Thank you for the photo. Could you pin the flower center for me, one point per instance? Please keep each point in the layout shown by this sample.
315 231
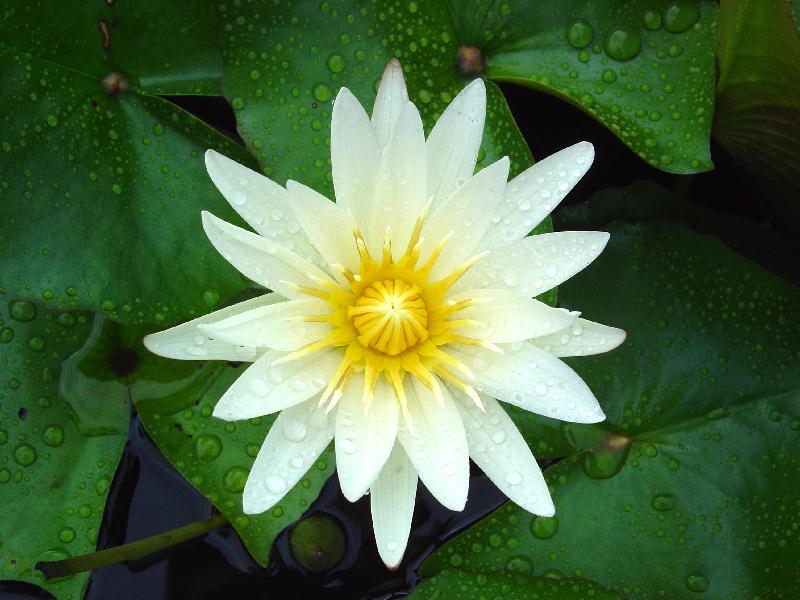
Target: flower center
390 316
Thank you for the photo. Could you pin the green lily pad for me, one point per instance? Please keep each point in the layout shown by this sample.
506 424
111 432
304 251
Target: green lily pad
515 584
58 449
757 119
216 456
645 70
102 183
687 490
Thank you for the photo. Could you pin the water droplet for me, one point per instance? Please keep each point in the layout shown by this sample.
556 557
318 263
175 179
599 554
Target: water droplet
275 485
513 477
22 311
234 479
681 15
85 511
544 527
207 446
651 20
336 63
211 297
498 437
52 120
294 430
696 582
66 535
664 502
36 343
321 92
25 454
622 43
579 33
6 335
520 564
102 485
53 435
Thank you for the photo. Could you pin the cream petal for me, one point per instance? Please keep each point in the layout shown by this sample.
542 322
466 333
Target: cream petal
265 388
582 338
390 100
277 326
296 439
506 317
535 264
187 342
260 259
438 447
453 144
400 192
392 499
498 448
464 215
533 194
261 202
528 377
355 155
328 225
364 439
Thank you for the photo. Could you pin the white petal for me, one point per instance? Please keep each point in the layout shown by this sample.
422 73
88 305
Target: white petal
392 499
328 225
261 202
264 389
533 194
582 338
538 263
455 140
294 442
187 342
508 317
277 326
466 213
392 97
438 448
364 440
400 192
528 377
260 259
355 155
498 448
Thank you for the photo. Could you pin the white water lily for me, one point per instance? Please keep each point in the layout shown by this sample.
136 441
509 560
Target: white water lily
402 313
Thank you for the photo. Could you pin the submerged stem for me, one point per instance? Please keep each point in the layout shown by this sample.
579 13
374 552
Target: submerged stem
131 551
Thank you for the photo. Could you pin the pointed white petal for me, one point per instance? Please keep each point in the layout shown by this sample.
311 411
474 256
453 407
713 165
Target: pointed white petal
392 501
392 97
328 225
400 193
364 439
466 213
582 338
533 194
355 154
187 342
261 202
295 441
455 140
260 259
277 326
507 317
528 377
498 448
264 389
538 263
438 448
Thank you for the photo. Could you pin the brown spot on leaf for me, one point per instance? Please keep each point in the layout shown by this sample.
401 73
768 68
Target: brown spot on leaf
106 33
470 61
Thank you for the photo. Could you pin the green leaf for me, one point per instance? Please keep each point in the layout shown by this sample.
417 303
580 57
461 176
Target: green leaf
688 487
645 70
215 456
59 447
453 584
101 187
757 118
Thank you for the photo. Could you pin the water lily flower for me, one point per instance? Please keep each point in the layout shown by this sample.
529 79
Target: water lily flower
402 313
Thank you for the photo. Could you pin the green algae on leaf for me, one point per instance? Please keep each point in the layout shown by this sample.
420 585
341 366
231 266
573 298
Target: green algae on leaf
58 451
689 483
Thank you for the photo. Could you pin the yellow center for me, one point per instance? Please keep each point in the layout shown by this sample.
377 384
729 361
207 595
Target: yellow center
390 316
392 320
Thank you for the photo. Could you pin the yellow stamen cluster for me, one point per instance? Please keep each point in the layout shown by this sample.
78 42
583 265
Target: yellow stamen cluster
391 320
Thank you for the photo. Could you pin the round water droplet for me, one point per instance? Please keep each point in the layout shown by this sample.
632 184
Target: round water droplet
498 437
336 63
207 446
53 435
234 479
681 15
651 20
696 582
321 92
211 297
102 485
85 511
66 535
294 430
544 527
36 343
25 454
622 43
22 311
259 387
664 502
6 335
513 477
579 33
275 485
520 564
346 445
